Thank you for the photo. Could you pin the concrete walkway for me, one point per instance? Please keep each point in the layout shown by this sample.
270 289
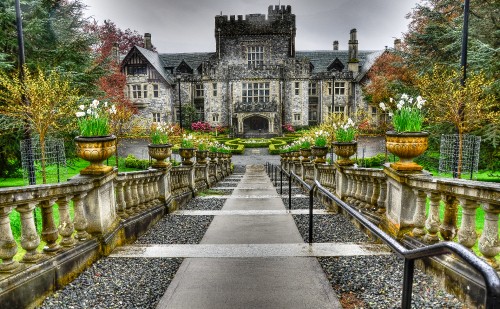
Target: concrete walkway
251 282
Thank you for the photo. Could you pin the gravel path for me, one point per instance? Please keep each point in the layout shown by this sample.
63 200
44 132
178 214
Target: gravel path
117 283
367 281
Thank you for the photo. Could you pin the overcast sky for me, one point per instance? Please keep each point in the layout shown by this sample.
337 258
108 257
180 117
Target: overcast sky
188 25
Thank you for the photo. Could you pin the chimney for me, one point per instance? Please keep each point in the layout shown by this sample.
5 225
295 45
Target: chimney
147 41
353 63
397 45
335 45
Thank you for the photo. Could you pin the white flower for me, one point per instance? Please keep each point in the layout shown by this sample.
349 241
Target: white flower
95 103
391 100
89 111
105 104
112 110
391 114
80 114
382 106
410 100
81 107
404 96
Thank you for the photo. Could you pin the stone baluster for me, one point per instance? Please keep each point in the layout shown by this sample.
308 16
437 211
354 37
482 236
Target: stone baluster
129 197
433 221
156 186
148 190
448 228
29 236
359 188
489 245
383 194
66 227
375 194
135 193
467 235
350 184
80 220
367 196
141 195
120 199
49 230
8 246
419 216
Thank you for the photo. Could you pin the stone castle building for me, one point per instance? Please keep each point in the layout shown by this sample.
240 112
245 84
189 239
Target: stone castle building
255 81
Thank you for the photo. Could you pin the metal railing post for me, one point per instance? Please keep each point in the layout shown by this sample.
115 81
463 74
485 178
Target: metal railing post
290 191
311 201
281 181
407 283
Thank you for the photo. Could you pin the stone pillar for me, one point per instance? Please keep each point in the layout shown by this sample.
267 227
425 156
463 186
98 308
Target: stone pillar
341 183
401 201
100 206
164 184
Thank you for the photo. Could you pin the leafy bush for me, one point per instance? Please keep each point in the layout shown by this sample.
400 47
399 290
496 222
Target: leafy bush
132 162
376 161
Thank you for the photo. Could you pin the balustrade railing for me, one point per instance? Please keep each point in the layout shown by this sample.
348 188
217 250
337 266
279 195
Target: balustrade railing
85 208
367 188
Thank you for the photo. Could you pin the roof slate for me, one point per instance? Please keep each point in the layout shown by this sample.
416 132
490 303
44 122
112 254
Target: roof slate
321 59
156 62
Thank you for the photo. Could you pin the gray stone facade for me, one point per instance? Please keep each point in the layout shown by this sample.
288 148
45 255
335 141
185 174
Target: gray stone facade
255 81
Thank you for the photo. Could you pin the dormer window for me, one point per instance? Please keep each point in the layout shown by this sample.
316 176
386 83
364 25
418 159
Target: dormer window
255 56
137 70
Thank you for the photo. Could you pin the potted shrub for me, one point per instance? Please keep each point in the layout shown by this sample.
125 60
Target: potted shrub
95 144
407 140
344 145
160 149
187 149
319 150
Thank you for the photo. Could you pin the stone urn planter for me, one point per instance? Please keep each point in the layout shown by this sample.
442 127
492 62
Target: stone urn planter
201 156
160 152
95 149
295 156
186 155
306 154
212 156
406 146
319 153
344 150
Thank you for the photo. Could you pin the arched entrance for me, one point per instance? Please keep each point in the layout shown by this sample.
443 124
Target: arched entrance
256 124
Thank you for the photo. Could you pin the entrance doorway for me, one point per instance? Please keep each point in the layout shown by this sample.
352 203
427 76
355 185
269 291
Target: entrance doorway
256 124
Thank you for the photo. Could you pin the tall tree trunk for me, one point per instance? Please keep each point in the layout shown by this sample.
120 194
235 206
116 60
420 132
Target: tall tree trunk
460 149
42 153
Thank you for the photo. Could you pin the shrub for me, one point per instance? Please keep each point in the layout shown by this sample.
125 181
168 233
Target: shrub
132 162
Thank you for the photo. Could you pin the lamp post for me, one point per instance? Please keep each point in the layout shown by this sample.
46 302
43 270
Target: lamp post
180 101
27 130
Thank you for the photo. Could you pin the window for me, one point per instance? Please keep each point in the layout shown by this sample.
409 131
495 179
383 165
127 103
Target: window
338 109
297 88
296 117
255 92
136 92
329 85
177 114
312 89
340 88
374 112
145 91
214 89
136 70
255 56
156 91
156 117
215 117
199 93
127 92
313 115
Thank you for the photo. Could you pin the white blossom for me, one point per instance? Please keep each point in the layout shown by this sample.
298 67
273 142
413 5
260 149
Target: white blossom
80 114
81 107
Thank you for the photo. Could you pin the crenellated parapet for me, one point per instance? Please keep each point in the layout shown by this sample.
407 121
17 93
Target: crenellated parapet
280 21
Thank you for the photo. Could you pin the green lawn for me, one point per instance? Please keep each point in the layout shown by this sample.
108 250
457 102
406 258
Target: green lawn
73 168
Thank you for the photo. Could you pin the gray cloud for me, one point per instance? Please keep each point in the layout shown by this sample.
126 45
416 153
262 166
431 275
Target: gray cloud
188 25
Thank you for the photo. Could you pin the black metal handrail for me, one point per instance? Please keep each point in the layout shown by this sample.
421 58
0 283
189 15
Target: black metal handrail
491 279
